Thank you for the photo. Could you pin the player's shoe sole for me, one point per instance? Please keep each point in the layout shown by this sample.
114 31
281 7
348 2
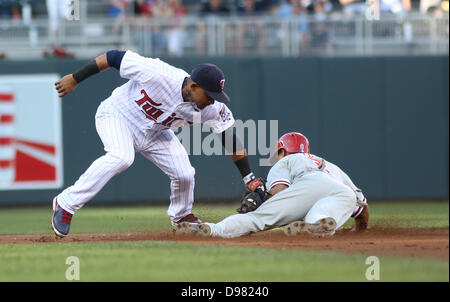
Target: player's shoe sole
325 227
203 230
180 227
199 229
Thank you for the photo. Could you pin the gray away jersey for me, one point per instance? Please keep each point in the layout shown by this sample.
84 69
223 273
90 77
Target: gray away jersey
289 170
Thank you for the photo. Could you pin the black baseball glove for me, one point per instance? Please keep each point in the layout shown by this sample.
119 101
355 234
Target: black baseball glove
250 202
254 196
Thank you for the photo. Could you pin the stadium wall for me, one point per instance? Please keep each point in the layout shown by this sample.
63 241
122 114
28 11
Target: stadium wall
383 120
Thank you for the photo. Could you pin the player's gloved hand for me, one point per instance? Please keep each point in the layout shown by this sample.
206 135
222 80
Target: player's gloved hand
256 185
250 202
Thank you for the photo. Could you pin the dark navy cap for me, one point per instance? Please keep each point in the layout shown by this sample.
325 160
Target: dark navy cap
211 79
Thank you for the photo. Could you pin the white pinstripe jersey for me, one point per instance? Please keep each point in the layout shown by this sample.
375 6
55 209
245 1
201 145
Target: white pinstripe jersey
152 97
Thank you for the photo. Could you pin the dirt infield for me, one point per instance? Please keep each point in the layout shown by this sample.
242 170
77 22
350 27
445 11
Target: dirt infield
423 243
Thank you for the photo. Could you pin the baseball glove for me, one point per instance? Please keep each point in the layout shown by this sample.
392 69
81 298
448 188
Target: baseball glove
250 202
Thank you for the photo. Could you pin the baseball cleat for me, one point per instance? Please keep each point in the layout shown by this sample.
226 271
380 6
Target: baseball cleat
200 229
181 226
295 227
60 220
192 228
323 228
191 218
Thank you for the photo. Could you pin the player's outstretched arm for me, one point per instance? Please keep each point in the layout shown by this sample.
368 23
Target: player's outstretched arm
68 83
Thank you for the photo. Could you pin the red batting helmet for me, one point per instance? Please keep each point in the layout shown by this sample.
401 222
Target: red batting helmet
293 142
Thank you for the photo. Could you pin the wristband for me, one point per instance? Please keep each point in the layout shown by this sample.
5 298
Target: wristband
88 70
248 178
244 166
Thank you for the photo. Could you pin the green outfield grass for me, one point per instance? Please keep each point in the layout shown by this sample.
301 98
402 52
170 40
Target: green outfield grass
170 261
151 218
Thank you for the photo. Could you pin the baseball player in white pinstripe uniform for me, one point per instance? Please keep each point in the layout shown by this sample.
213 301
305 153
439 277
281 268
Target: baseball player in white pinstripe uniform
137 118
305 192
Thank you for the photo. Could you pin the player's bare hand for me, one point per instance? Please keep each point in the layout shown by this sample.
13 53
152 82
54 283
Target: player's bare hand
362 221
65 85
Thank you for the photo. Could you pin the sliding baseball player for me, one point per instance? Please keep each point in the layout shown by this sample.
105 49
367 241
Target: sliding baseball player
304 192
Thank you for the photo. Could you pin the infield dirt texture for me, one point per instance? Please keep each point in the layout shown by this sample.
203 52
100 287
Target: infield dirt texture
411 240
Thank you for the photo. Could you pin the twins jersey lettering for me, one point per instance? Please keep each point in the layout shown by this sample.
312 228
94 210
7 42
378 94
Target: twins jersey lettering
152 99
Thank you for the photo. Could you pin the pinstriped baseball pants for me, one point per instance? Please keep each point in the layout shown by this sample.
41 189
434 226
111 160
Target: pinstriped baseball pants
121 142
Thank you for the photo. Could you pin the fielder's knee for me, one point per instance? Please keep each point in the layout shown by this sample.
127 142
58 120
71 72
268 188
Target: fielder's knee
121 161
187 176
